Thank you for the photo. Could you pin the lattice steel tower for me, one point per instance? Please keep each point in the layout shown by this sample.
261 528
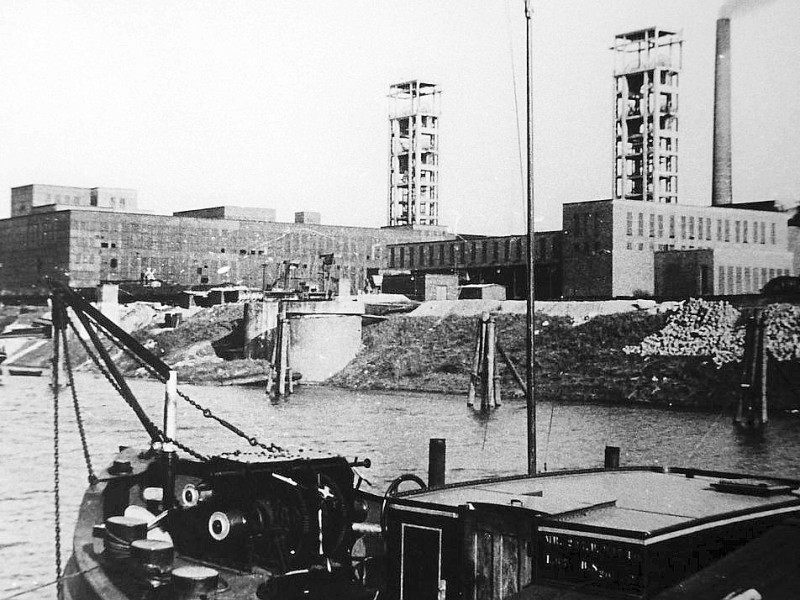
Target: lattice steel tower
647 64
414 153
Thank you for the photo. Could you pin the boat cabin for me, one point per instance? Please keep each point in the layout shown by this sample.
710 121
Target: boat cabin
629 532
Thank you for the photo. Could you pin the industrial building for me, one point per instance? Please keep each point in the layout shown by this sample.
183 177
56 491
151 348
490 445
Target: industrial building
86 245
641 241
623 248
612 248
414 154
34 198
483 259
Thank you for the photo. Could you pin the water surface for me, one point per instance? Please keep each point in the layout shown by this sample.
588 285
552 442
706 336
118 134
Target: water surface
391 429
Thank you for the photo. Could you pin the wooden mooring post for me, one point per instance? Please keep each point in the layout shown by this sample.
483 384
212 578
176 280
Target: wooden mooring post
279 376
485 376
752 410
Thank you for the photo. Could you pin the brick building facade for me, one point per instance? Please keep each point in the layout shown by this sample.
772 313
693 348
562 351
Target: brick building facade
481 259
610 246
84 247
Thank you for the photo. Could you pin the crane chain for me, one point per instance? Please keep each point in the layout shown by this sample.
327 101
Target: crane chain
115 385
252 440
78 417
206 412
56 470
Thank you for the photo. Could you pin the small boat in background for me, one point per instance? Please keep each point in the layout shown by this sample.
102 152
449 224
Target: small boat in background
20 371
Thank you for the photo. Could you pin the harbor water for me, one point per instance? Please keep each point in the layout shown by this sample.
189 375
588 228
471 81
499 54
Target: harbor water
392 429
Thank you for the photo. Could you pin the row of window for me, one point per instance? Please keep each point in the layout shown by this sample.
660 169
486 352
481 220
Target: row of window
700 228
462 253
745 280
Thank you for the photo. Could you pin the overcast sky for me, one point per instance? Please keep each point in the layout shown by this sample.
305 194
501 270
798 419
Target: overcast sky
282 104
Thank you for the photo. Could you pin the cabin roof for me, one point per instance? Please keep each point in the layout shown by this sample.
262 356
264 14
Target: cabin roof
642 501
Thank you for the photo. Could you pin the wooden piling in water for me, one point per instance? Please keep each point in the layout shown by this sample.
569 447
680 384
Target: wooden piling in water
513 368
282 352
752 408
476 364
485 376
488 400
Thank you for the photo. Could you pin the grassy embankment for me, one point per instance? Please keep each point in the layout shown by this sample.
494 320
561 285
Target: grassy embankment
573 364
429 354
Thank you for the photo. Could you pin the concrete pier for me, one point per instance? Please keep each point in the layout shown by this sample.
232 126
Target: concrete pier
325 336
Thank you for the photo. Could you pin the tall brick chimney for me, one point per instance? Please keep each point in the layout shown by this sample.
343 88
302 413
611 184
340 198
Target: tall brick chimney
722 181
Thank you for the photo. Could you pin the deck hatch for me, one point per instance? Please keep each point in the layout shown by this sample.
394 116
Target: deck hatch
750 487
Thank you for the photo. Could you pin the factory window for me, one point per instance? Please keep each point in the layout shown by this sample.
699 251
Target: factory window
691 228
402 256
252 252
661 226
737 228
496 250
763 233
640 227
747 279
763 275
730 280
744 231
222 250
261 253
630 223
683 227
672 226
772 274
104 244
772 233
738 280
652 220
721 282
629 246
708 228
113 263
727 230
641 246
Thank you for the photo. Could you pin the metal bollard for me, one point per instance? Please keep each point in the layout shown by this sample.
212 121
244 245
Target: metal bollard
436 462
612 457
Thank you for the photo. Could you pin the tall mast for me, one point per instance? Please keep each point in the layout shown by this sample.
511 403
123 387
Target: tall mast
531 404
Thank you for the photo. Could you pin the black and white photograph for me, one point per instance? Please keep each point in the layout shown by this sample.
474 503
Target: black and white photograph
419 300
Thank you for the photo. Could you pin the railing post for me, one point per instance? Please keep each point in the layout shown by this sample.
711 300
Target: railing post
171 405
169 452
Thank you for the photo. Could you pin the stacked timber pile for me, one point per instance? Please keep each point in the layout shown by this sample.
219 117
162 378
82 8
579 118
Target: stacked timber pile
715 330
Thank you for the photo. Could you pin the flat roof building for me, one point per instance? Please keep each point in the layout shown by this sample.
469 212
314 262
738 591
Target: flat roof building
38 197
86 246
